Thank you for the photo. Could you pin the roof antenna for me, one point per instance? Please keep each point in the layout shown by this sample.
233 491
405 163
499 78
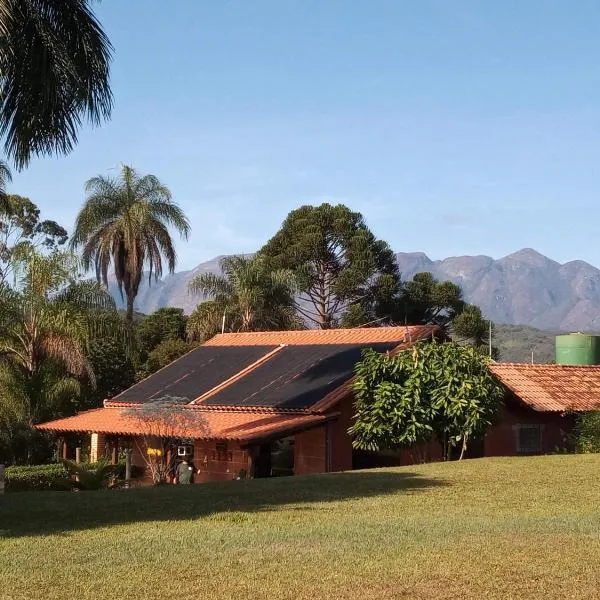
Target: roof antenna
490 337
532 356
223 323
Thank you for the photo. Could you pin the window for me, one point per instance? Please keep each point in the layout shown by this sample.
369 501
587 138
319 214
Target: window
529 438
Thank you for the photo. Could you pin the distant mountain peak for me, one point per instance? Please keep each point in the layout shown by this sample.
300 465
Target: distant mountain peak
523 288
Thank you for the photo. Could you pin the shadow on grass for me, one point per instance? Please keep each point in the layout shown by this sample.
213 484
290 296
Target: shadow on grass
41 513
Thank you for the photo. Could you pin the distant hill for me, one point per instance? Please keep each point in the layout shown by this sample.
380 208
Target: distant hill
516 343
524 288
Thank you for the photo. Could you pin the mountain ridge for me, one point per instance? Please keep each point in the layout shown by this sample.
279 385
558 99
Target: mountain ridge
522 288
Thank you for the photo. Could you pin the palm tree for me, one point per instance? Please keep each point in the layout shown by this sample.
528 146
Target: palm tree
247 297
54 60
45 326
125 222
5 177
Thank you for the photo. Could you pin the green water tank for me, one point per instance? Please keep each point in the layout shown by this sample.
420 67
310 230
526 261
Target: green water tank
577 349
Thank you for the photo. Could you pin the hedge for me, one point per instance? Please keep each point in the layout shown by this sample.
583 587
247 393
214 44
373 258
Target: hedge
44 477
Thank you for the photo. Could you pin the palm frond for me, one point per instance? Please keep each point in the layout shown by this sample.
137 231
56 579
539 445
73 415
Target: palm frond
54 60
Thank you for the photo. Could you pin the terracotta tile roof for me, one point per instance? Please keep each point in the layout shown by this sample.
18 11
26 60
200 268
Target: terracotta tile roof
238 425
305 337
552 387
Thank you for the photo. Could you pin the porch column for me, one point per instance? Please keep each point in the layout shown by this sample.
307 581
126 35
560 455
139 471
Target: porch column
114 455
97 447
64 449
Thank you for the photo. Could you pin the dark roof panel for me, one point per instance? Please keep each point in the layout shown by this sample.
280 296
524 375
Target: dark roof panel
296 376
195 373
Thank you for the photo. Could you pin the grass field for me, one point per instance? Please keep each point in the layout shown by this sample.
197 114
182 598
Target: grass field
490 528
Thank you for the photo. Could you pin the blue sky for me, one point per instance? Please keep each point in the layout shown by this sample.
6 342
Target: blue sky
464 127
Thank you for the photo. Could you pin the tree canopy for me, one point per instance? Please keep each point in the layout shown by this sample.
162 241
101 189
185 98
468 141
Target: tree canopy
249 296
54 60
336 260
433 390
125 222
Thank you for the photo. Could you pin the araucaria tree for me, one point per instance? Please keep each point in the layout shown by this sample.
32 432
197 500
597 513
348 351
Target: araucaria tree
249 296
54 60
125 222
337 262
441 391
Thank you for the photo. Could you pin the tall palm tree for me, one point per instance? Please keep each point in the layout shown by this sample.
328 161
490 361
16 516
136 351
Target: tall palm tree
126 222
54 61
45 326
247 297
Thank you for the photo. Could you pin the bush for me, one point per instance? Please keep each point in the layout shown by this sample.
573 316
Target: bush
587 432
51 477
36 477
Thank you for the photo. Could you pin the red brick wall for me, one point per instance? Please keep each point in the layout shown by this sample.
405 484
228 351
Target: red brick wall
501 439
215 464
339 440
310 451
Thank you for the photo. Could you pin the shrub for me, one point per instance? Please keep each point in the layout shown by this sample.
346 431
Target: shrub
53 476
36 477
587 432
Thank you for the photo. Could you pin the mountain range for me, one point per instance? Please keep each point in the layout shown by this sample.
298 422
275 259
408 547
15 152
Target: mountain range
523 288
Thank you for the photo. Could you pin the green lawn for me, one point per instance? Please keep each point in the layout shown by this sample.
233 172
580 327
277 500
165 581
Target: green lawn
490 528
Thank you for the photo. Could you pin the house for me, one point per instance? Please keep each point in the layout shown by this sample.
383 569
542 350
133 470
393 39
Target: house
255 403
538 414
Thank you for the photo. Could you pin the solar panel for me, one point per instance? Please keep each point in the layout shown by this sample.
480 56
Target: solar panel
195 373
295 377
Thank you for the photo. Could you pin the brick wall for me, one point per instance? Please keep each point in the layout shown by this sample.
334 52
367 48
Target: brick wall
339 439
310 451
218 461
501 439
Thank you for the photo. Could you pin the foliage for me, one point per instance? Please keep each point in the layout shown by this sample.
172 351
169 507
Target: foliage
517 343
250 296
45 330
163 324
336 260
441 390
125 222
113 370
165 353
54 60
587 432
37 477
90 477
21 228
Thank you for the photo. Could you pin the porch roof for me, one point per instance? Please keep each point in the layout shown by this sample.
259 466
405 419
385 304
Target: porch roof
190 422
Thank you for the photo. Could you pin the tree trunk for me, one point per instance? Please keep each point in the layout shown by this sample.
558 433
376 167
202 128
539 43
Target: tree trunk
129 315
464 448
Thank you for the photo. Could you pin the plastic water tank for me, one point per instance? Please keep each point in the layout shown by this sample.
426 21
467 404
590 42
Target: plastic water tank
577 349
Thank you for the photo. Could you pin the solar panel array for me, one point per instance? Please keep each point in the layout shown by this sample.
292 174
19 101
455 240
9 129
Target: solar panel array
195 373
296 376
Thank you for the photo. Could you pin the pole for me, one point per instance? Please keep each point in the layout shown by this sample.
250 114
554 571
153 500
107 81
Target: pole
223 324
490 338
127 467
1 479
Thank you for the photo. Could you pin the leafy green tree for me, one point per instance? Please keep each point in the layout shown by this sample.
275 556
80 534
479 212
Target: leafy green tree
125 222
441 390
113 370
54 60
163 324
249 296
163 354
45 329
22 228
336 260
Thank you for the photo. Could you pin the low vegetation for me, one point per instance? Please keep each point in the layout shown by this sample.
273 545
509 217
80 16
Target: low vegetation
489 528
